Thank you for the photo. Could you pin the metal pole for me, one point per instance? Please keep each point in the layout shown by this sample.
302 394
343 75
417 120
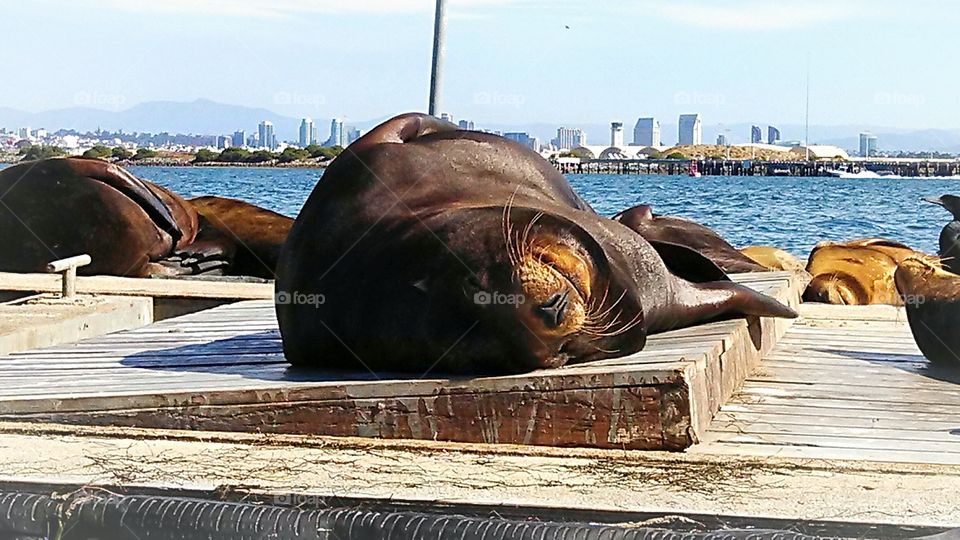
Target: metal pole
806 121
439 27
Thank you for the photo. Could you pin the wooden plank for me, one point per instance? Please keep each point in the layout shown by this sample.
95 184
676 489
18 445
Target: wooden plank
122 286
623 418
844 383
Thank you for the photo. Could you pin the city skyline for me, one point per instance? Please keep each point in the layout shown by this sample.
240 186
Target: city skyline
377 77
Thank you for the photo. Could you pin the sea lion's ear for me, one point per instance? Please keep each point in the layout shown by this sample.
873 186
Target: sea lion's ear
688 264
401 129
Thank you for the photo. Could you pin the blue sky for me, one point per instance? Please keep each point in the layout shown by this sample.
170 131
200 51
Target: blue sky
878 63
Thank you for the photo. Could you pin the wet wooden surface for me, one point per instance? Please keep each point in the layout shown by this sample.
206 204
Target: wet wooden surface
844 383
223 369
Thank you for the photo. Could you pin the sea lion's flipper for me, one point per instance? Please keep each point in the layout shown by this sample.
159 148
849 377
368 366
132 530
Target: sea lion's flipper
133 188
737 299
404 128
687 263
634 217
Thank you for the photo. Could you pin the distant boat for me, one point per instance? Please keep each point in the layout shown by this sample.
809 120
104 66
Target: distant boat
781 172
860 174
693 170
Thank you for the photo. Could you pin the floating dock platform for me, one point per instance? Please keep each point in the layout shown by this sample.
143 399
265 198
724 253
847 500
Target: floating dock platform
223 369
831 424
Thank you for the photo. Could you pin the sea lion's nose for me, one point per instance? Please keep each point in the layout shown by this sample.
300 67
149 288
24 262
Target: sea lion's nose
554 308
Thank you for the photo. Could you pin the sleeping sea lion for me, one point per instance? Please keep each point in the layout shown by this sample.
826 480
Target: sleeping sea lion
252 235
428 248
858 272
57 208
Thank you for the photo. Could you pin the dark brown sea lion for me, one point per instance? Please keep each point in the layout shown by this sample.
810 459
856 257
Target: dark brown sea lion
932 298
858 272
56 208
950 235
428 248
250 236
660 230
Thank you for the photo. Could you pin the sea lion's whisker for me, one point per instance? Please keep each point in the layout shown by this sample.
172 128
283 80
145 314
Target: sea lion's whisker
526 231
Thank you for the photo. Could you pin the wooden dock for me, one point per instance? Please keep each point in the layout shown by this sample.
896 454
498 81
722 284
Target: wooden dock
45 320
844 383
223 369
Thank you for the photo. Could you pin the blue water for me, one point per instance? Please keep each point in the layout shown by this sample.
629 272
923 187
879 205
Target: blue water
791 213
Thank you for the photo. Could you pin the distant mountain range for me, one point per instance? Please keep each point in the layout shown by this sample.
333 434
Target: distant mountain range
207 117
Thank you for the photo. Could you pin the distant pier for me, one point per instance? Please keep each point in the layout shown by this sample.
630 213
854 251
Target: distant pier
731 167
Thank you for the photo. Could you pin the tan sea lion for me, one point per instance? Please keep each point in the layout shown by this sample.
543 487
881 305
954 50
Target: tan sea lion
858 272
774 259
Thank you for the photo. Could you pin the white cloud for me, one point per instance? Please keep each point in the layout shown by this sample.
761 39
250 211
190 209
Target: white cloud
752 14
282 8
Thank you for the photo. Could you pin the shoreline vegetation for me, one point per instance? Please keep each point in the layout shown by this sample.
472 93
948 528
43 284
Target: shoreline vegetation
711 160
313 156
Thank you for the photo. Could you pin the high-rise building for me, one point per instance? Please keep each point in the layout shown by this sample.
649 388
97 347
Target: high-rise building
721 140
223 142
616 134
466 124
647 132
524 138
756 135
868 145
24 133
267 139
238 139
568 138
353 134
773 135
338 137
690 129
446 116
306 132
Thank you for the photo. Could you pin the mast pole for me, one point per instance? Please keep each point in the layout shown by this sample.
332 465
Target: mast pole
439 29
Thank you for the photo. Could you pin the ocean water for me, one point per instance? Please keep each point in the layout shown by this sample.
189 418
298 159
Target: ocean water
791 213
787 212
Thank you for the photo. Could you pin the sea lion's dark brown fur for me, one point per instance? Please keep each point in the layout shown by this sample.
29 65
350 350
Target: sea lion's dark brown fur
932 298
950 234
427 248
255 234
56 208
